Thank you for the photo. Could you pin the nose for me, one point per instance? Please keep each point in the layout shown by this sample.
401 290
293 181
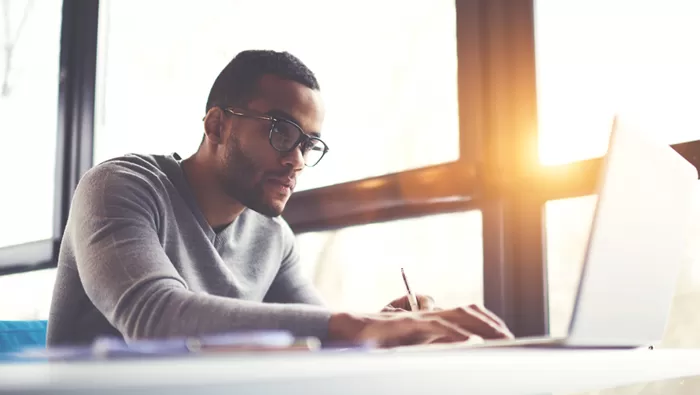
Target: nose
294 158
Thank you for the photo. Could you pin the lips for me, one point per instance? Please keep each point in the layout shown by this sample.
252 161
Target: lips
284 181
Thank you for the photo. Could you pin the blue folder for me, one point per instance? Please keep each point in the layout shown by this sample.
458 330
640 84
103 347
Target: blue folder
16 335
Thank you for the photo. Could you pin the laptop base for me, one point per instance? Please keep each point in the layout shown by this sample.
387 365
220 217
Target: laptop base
530 343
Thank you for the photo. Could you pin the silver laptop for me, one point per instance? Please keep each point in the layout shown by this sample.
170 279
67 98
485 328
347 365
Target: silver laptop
637 244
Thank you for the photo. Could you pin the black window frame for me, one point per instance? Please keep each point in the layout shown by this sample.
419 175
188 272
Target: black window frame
74 128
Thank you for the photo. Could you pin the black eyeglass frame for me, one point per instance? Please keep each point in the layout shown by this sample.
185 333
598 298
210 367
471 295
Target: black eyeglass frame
303 137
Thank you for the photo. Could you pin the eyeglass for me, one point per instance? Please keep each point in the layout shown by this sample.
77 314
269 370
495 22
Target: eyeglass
285 135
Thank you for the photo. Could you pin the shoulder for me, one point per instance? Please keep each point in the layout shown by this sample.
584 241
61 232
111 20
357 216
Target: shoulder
138 178
128 171
127 168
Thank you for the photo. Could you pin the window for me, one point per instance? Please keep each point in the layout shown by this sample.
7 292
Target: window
26 296
29 65
359 268
599 57
568 223
390 87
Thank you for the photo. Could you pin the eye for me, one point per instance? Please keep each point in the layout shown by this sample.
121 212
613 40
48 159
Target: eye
286 132
313 145
284 136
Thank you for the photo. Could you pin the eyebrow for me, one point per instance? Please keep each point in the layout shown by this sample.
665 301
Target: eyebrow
288 117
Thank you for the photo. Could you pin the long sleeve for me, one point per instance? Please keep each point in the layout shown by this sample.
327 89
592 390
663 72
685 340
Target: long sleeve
290 286
128 276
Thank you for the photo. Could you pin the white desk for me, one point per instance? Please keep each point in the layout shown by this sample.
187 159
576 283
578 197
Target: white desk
495 371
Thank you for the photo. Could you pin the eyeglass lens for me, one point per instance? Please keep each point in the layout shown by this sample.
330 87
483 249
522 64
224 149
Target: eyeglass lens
284 135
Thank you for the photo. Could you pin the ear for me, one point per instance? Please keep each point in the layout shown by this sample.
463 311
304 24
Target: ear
214 125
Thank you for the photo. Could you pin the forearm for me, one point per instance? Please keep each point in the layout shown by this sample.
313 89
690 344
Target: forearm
160 310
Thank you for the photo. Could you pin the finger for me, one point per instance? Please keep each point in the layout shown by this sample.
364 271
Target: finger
392 309
491 316
475 322
412 331
446 331
491 329
400 303
425 302
473 339
499 331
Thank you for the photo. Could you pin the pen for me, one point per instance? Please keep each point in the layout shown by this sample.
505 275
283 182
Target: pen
411 297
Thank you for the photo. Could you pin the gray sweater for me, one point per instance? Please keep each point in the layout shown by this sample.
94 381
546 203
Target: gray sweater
138 260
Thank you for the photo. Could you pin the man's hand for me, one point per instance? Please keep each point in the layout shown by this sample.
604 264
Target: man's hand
425 302
477 319
425 327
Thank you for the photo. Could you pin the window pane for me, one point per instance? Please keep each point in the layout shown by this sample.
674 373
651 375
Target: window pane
598 57
389 87
568 224
30 31
26 296
359 268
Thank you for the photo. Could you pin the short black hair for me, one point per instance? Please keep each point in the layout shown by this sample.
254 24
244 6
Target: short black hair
237 82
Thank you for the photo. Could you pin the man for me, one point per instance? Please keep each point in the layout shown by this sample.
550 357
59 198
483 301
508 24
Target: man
156 246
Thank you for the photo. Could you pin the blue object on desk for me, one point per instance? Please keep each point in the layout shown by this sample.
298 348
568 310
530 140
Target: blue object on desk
17 335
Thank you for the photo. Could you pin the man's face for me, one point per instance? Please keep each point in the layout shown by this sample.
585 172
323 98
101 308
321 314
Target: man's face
252 171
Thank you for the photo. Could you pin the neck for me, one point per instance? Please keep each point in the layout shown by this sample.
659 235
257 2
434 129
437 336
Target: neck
219 209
